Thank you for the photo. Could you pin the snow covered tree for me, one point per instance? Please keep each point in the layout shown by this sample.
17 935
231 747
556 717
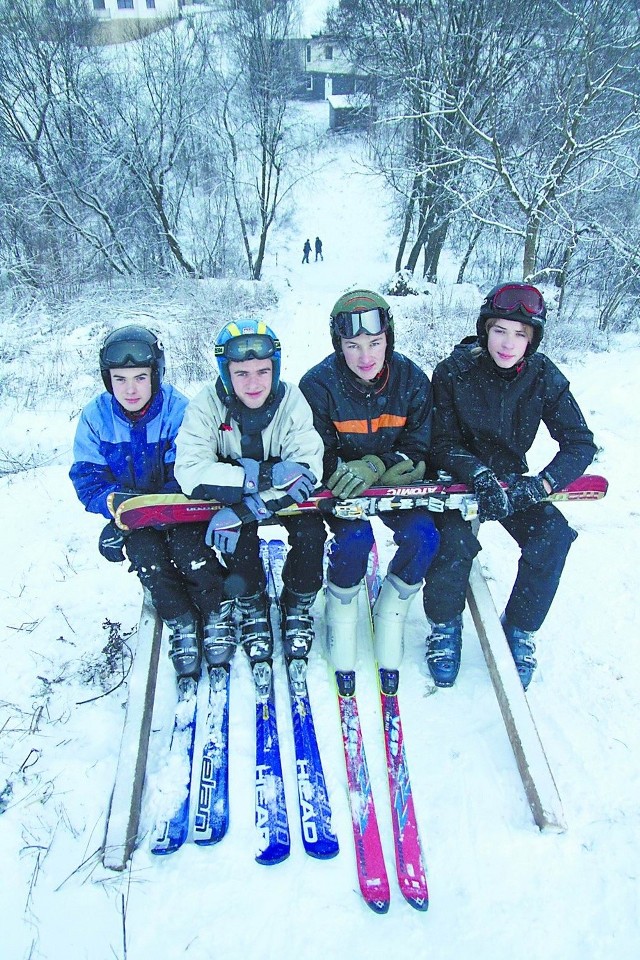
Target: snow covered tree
257 81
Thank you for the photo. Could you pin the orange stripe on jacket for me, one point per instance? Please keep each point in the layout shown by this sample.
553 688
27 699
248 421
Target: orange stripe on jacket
362 426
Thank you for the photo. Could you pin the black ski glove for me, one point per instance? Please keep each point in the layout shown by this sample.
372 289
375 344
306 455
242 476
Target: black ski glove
523 492
111 543
493 503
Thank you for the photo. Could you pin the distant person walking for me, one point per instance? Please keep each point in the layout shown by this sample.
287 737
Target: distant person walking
319 249
306 250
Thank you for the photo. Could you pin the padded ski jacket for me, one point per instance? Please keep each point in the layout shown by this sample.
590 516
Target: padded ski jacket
391 418
216 433
482 419
112 452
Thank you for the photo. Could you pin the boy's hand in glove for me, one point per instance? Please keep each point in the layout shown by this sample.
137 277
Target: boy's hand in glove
403 473
223 531
351 478
224 527
493 503
523 492
111 543
294 478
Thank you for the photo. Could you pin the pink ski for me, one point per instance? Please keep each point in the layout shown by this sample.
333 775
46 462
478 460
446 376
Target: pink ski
409 864
372 874
406 840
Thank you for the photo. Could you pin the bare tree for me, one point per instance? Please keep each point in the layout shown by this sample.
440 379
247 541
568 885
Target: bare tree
45 74
567 132
257 81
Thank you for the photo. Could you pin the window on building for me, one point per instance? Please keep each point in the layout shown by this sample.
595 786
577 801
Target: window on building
99 5
308 53
310 83
125 4
328 53
151 4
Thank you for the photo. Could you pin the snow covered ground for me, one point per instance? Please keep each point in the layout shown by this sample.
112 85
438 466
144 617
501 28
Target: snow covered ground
499 888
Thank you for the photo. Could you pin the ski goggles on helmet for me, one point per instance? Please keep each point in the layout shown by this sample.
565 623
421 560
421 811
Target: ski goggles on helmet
512 296
128 353
349 325
249 346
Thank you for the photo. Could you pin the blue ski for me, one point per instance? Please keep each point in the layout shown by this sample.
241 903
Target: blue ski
272 824
212 811
318 837
172 827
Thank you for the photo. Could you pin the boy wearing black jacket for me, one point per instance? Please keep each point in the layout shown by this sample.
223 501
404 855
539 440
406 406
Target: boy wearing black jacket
491 395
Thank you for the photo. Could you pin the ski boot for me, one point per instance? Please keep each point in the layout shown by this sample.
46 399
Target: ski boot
184 651
255 627
297 622
219 640
389 616
342 637
444 648
522 650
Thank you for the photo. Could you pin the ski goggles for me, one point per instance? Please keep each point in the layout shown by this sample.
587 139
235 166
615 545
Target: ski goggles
128 353
249 346
511 297
369 321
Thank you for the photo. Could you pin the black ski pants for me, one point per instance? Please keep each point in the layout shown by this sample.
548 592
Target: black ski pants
544 538
180 571
302 571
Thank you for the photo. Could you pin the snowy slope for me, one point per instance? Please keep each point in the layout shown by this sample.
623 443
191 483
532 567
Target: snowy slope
499 888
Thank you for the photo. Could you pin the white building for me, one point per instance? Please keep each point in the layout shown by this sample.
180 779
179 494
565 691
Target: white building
135 9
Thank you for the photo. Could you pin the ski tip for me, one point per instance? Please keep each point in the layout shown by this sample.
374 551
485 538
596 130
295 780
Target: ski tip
418 903
323 851
378 906
160 850
274 855
210 839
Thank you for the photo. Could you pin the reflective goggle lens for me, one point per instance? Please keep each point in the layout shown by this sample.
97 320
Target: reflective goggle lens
511 297
250 346
128 353
370 321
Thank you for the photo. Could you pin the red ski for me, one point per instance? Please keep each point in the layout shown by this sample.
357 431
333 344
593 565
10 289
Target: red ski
168 509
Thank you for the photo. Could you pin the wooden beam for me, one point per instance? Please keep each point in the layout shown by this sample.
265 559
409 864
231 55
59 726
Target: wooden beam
539 785
124 810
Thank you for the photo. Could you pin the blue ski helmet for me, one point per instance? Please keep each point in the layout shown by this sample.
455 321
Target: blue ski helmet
248 339
132 346
514 301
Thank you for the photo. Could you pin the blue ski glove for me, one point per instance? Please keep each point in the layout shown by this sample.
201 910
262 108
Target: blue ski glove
224 527
493 503
523 492
111 543
251 475
403 473
223 531
350 479
294 478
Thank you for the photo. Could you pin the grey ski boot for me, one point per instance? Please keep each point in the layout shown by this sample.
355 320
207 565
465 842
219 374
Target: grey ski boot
184 650
219 638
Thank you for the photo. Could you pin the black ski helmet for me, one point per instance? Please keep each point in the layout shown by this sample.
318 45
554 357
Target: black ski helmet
362 301
514 301
132 346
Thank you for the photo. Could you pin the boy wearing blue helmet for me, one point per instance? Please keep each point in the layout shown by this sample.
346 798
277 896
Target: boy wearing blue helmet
248 441
491 395
125 442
